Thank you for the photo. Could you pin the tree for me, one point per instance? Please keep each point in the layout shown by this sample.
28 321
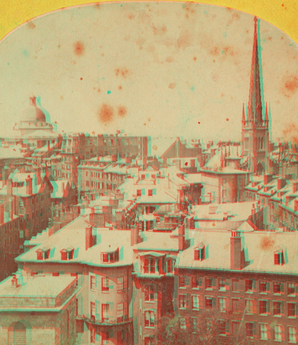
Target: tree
210 329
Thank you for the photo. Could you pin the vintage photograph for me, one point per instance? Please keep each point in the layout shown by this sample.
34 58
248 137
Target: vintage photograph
149 178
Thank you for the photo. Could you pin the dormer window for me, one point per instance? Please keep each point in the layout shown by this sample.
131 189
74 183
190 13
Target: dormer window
43 253
279 257
110 257
149 266
199 252
170 265
67 254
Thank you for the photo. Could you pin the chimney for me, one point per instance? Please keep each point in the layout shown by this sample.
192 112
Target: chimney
287 200
281 182
295 205
268 178
38 176
1 213
29 185
181 238
11 207
236 252
9 187
90 239
14 281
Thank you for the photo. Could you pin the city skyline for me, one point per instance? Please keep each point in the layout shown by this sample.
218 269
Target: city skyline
115 86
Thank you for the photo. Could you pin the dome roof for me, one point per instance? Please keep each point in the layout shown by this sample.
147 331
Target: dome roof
33 113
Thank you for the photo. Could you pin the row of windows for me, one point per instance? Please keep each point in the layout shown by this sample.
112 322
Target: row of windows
236 305
101 185
153 266
103 311
107 284
224 284
266 331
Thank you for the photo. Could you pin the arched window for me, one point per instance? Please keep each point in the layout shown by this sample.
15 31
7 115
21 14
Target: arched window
17 334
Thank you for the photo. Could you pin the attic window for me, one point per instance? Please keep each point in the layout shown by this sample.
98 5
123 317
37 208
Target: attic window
110 257
67 254
199 252
43 254
279 257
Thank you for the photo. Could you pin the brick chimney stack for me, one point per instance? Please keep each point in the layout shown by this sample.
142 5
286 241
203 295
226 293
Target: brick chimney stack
236 252
268 178
1 213
90 240
281 182
29 185
181 237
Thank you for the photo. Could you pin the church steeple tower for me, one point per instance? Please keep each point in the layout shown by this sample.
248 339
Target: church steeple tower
255 134
255 113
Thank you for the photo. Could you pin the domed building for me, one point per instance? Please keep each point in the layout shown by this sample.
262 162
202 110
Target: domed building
34 119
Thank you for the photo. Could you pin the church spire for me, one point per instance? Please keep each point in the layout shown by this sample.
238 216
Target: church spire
255 97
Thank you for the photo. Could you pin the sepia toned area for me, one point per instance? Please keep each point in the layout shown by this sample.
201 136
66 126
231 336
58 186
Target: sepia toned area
148 178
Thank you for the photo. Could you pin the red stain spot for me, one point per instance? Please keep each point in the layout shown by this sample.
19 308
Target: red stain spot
97 6
159 31
186 164
194 59
122 72
98 90
290 133
149 119
130 16
169 59
281 38
290 85
185 40
214 51
172 86
122 111
79 48
199 123
227 119
31 26
270 38
267 243
81 78
120 87
106 113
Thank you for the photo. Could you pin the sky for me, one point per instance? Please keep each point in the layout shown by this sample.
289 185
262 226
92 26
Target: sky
159 69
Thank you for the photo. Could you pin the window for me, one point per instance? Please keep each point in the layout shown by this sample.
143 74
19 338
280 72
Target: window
264 287
149 192
264 331
277 287
279 257
105 312
197 282
149 293
210 283
292 289
121 312
139 192
120 284
235 285
249 306
92 282
236 305
149 266
170 265
105 284
182 301
92 310
182 323
277 308
199 252
149 318
183 281
92 335
222 284
292 334
292 309
194 323
110 257
264 307
67 254
195 302
249 328
235 327
149 341
277 332
250 285
210 302
222 304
